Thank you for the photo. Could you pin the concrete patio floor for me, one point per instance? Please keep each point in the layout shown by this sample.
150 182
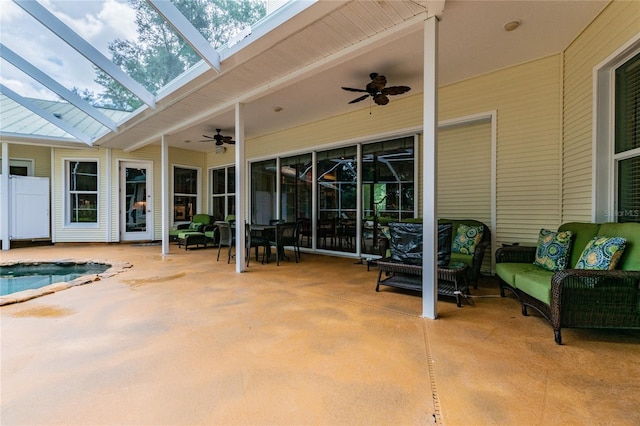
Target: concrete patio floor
184 340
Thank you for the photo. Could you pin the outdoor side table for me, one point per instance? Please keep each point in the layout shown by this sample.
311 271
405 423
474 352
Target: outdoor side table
452 281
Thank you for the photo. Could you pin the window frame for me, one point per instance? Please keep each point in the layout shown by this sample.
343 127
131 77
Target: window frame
196 208
68 211
227 194
605 160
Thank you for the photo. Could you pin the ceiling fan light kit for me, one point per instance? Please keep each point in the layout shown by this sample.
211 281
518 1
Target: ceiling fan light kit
377 90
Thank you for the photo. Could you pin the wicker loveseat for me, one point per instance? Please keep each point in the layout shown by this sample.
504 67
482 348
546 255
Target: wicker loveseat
578 298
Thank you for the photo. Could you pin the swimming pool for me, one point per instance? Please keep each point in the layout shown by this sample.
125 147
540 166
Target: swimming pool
29 276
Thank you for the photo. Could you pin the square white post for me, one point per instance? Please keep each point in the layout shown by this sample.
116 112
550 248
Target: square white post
429 176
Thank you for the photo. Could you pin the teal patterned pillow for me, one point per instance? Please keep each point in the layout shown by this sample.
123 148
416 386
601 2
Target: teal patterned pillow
602 253
195 225
553 250
467 238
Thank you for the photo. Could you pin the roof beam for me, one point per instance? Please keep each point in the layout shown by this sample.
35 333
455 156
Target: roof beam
56 87
187 31
435 8
46 18
31 106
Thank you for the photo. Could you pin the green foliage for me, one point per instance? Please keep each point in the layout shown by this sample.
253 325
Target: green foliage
159 55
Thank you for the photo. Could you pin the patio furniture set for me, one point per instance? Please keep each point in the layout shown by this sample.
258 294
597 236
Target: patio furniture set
461 248
204 230
584 275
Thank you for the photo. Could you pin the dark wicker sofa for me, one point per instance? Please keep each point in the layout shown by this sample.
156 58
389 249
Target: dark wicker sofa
577 298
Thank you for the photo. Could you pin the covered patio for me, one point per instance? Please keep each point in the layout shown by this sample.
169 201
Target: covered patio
183 339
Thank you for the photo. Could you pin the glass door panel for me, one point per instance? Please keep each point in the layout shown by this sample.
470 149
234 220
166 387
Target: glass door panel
337 199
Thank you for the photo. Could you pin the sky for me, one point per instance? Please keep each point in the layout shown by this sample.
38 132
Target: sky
97 21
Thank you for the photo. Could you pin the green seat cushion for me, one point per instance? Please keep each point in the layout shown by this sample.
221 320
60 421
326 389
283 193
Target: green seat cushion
202 219
508 271
552 252
182 235
462 258
630 260
602 253
536 283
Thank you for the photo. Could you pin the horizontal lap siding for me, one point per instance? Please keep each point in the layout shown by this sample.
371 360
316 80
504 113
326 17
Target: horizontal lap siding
40 155
618 23
464 175
464 172
401 113
527 100
69 233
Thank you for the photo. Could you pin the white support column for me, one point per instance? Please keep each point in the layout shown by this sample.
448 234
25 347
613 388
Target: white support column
109 198
4 202
241 189
429 163
164 184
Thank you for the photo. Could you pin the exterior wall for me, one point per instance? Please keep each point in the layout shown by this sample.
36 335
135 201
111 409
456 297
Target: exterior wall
40 155
99 233
527 99
617 24
62 233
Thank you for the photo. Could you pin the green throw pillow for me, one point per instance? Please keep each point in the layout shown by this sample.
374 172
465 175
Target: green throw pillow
553 249
467 238
602 253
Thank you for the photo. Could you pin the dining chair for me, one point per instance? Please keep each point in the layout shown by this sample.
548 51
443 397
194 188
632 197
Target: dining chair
227 238
286 235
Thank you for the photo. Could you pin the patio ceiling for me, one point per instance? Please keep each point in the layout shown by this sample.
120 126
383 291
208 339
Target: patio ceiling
301 65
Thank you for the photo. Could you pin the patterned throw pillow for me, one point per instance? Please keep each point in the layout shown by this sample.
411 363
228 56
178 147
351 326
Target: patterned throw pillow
553 250
467 238
195 225
602 253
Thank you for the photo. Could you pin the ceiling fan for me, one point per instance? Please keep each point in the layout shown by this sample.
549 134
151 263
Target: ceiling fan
377 90
218 138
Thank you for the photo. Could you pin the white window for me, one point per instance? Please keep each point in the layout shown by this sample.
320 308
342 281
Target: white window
185 193
617 136
82 192
19 167
223 192
626 153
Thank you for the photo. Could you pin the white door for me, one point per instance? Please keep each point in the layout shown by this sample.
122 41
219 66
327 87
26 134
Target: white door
136 201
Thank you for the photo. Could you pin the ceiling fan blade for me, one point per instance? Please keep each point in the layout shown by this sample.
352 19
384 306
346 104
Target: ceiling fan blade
227 139
381 99
395 90
361 98
351 89
378 82
208 138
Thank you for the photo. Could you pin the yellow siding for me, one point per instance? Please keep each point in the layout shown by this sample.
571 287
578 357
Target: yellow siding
71 234
40 155
527 101
401 113
618 23
464 181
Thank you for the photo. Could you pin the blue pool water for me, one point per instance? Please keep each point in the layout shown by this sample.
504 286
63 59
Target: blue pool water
21 277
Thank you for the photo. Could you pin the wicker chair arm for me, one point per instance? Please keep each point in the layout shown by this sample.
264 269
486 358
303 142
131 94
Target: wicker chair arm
516 254
183 226
595 293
